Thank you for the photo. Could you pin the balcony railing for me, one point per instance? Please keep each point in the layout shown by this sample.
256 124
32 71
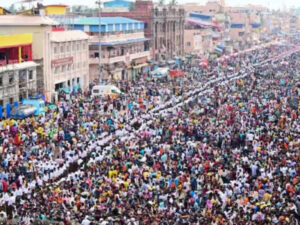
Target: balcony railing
12 61
94 60
115 59
122 58
140 55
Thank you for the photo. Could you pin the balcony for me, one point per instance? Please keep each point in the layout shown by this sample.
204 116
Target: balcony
123 58
117 37
94 60
114 59
12 61
140 55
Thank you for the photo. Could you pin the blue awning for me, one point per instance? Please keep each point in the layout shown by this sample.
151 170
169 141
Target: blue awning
255 25
221 47
237 25
112 43
200 16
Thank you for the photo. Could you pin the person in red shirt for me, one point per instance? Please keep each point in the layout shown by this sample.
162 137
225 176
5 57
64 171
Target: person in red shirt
4 185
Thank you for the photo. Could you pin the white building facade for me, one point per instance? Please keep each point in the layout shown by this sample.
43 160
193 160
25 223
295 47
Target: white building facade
68 62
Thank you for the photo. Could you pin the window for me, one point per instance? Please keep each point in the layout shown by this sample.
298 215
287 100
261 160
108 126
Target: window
188 44
11 101
73 47
241 34
69 83
22 78
1 103
55 49
62 48
11 78
78 80
30 76
78 47
56 69
63 68
1 81
68 48
96 91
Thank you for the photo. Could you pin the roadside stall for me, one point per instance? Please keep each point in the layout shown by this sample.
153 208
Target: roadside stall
160 72
176 74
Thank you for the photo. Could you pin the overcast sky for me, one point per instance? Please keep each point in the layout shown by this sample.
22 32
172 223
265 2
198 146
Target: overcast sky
275 4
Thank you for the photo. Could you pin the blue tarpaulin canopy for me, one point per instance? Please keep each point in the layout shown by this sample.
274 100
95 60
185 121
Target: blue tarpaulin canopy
237 25
255 25
200 16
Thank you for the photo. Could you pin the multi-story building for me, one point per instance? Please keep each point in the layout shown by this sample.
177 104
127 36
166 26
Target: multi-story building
39 27
210 20
69 62
44 36
124 47
293 24
200 34
164 25
246 25
17 70
168 32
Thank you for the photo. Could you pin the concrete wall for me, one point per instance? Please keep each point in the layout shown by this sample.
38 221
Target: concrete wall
10 92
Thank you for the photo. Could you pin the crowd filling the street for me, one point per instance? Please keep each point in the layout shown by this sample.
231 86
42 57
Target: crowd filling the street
219 145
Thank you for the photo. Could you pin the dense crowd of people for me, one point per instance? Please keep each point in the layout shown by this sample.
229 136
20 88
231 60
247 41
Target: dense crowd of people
218 147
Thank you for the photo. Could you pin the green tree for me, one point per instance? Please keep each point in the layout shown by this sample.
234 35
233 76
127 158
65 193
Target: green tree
161 2
22 8
12 8
173 2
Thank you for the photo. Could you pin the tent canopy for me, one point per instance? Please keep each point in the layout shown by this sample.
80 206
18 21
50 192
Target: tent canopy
160 72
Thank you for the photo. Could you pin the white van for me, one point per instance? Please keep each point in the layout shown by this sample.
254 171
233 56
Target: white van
105 91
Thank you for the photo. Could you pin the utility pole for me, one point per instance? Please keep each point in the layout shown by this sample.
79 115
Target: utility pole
99 39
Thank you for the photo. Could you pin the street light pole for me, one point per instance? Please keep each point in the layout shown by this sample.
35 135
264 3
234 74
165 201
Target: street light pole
99 39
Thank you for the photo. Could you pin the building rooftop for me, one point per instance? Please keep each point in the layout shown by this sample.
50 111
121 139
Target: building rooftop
70 35
22 20
104 20
56 5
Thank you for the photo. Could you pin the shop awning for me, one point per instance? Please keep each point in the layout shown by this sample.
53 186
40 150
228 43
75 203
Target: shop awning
140 66
65 90
170 61
200 16
160 72
201 23
237 25
255 25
